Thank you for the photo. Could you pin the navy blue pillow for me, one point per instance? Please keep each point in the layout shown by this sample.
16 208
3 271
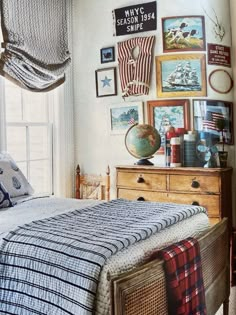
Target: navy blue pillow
5 200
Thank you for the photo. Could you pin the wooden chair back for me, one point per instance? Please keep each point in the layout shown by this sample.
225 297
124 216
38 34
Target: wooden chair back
90 186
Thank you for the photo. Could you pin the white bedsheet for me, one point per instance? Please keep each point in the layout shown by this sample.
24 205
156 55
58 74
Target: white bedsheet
32 209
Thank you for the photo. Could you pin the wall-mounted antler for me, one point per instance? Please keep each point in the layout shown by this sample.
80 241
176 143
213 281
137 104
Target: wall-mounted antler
218 28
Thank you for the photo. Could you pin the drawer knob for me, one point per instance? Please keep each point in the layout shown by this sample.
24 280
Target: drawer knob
140 199
195 203
140 179
195 184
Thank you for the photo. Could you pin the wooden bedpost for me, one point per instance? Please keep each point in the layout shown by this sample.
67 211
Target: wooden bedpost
107 187
85 180
77 183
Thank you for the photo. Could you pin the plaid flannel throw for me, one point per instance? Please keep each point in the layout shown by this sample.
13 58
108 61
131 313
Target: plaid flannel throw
186 295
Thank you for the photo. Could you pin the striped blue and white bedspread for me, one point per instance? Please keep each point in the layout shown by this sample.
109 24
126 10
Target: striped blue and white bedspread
52 266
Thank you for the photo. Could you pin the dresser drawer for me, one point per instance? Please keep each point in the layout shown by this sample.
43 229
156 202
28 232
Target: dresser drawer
133 194
211 203
141 181
193 183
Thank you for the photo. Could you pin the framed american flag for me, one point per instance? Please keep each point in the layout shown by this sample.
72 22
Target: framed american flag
207 112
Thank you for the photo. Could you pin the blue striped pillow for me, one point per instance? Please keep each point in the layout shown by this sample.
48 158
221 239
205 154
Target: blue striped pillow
5 200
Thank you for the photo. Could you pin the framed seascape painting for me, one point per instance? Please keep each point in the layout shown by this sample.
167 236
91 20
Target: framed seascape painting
107 54
106 82
181 75
165 113
122 116
205 115
183 33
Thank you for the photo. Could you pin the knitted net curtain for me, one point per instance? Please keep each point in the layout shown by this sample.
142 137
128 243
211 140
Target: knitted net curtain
35 42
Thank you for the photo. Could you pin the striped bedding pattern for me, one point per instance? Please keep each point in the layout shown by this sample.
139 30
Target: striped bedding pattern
52 266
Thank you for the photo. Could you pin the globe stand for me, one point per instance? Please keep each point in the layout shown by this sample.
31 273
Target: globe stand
143 162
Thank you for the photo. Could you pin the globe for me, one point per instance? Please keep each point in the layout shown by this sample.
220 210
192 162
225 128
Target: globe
142 141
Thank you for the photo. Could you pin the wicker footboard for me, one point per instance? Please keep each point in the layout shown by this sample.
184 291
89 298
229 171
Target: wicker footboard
143 290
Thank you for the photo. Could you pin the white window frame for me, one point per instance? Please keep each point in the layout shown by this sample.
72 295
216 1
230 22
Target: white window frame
62 114
28 158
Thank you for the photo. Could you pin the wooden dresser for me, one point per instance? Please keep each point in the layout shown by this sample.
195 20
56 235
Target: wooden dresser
208 187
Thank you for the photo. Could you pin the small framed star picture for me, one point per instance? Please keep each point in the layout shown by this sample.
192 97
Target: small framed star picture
106 84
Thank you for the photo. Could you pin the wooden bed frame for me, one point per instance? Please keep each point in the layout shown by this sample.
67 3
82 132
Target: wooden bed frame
90 186
142 291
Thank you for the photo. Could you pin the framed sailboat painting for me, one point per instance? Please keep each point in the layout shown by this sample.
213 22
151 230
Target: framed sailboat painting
181 75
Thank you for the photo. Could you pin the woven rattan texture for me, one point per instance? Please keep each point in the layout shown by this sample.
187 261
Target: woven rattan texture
156 293
211 271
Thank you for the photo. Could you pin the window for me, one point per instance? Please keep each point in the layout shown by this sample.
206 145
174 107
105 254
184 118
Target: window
29 134
37 130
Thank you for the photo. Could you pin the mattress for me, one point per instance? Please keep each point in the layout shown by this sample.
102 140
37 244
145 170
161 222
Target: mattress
39 207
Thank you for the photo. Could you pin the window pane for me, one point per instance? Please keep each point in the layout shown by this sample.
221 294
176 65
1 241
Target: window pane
23 167
13 102
35 107
38 139
40 176
16 142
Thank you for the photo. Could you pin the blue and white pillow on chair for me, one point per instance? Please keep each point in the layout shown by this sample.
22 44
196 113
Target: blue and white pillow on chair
5 200
12 178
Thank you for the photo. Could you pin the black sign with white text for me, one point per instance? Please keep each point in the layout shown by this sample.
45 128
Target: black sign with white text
135 19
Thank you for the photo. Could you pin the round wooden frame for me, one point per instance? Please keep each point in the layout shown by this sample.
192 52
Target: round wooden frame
231 82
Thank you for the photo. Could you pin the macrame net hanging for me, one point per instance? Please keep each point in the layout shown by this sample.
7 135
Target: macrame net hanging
35 43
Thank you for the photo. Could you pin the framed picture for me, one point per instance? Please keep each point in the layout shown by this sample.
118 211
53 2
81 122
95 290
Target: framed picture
165 113
181 75
106 82
205 115
182 33
107 54
122 116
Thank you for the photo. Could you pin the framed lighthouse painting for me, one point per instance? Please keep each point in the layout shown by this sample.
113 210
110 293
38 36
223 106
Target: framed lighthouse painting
181 75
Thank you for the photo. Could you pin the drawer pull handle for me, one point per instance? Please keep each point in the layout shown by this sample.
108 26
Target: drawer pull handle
195 203
140 199
140 179
195 184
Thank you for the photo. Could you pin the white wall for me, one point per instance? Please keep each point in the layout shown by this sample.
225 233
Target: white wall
92 30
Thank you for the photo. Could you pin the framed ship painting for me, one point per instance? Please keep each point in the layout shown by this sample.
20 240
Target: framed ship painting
168 113
181 75
183 33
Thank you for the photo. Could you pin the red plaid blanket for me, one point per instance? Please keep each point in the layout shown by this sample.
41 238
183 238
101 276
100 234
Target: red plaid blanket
186 295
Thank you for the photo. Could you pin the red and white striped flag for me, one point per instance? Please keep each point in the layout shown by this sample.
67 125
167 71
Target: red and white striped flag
210 120
131 121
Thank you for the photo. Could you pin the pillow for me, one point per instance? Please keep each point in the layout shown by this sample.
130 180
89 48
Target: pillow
5 200
12 178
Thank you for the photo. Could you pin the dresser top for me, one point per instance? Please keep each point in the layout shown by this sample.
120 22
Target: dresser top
175 169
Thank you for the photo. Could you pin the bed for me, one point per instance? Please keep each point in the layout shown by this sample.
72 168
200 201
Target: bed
128 284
